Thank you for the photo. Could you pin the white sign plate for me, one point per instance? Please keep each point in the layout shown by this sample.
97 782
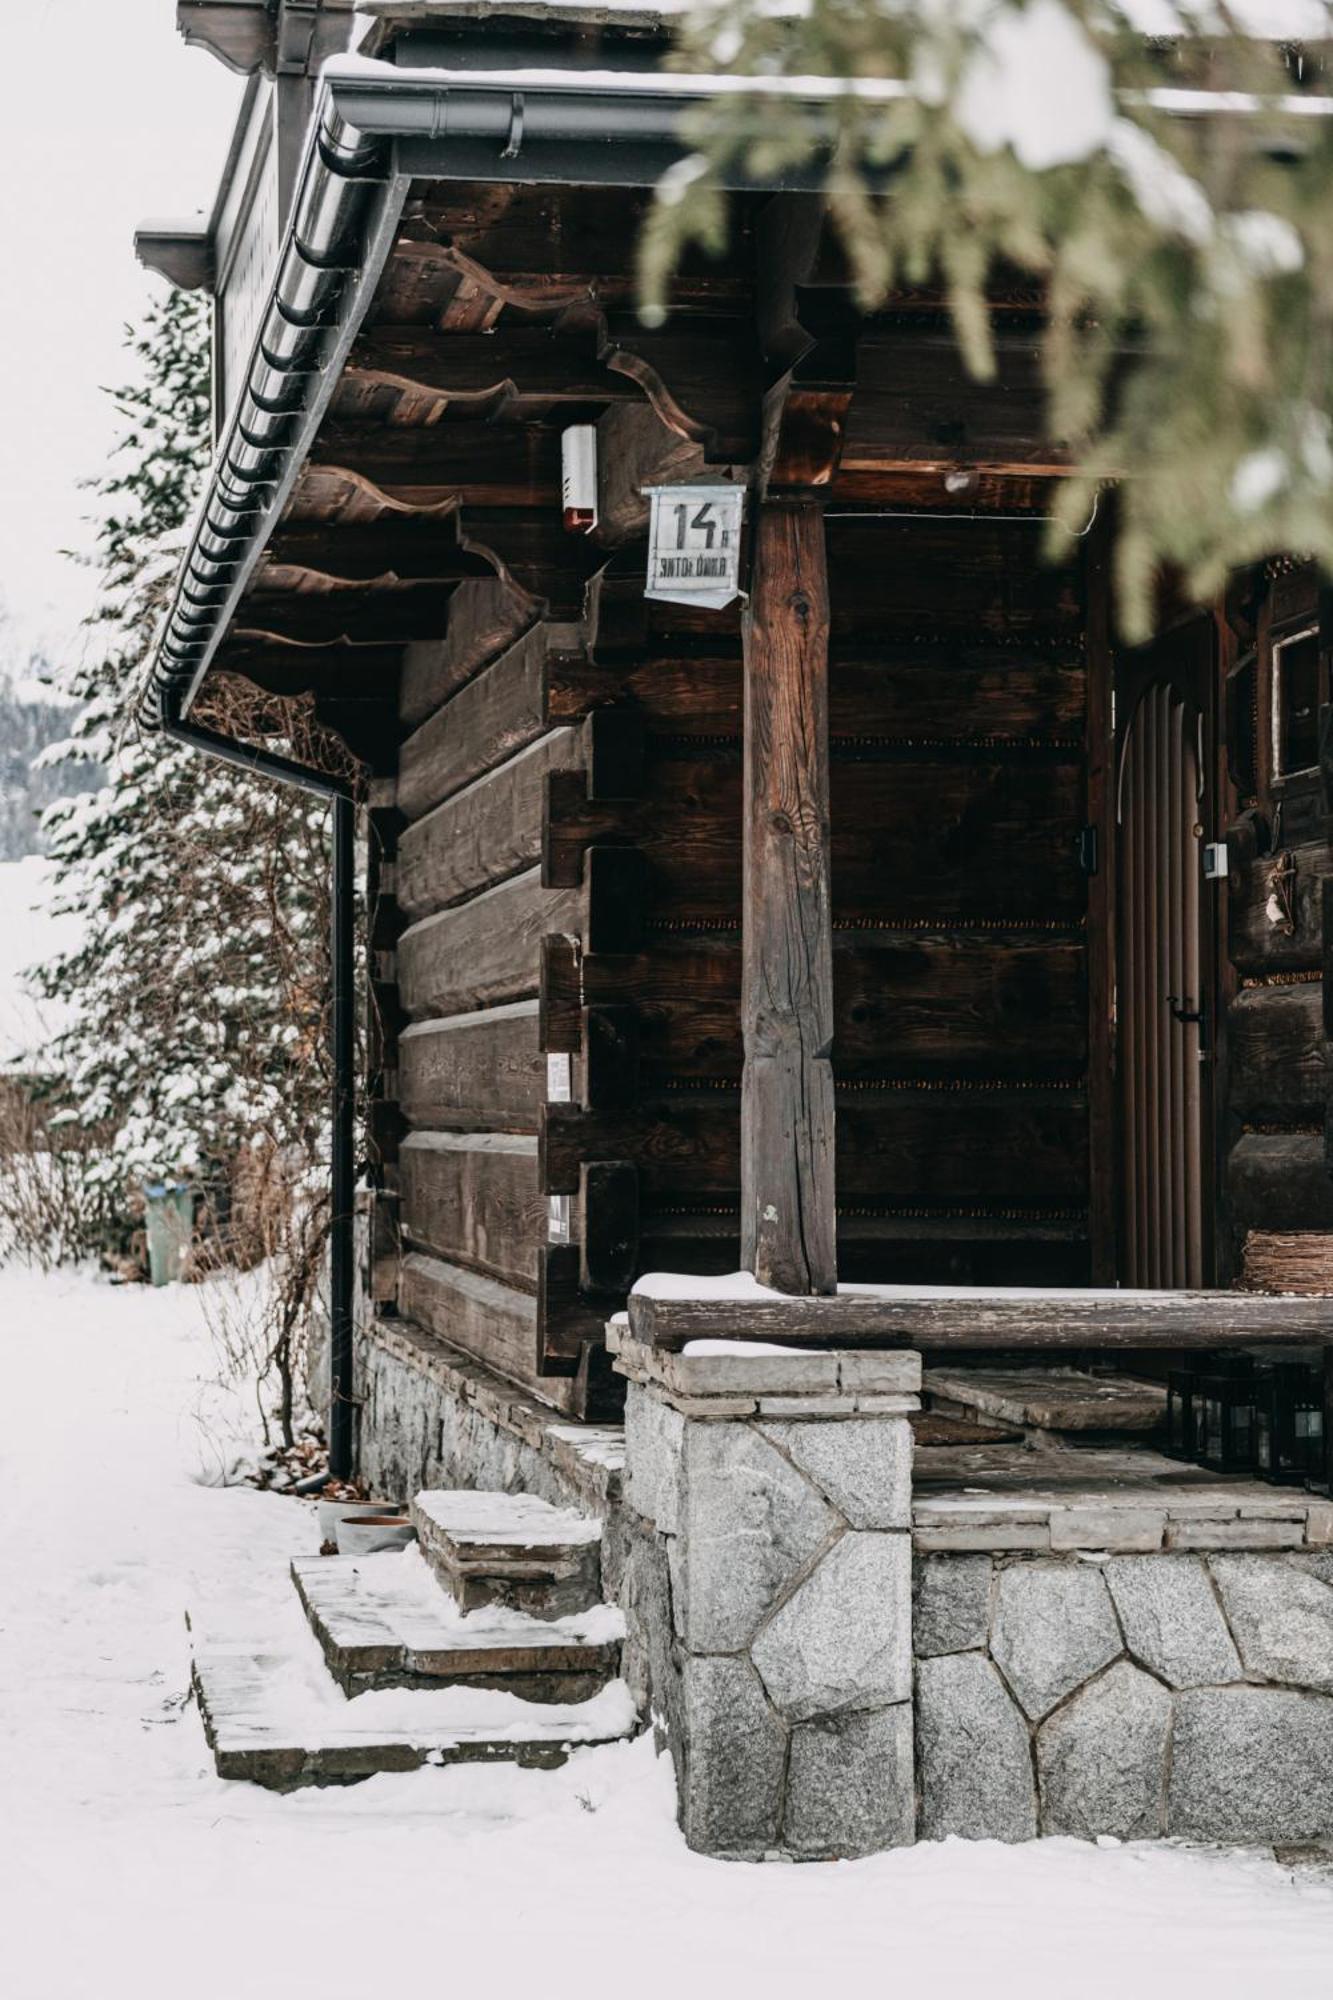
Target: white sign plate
694 544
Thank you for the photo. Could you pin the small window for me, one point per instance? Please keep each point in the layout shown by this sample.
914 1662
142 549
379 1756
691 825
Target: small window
1296 697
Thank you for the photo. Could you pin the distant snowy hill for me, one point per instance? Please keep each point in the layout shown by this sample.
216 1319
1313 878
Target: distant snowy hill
28 933
31 717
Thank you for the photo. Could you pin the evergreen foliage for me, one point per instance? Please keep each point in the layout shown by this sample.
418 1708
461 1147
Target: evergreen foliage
199 986
29 724
1051 138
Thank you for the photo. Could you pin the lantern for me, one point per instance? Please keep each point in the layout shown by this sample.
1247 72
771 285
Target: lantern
1180 1413
1224 1419
1308 1422
1289 1423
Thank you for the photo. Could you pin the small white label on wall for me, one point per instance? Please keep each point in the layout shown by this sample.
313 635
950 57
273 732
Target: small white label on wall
559 1080
694 544
558 1218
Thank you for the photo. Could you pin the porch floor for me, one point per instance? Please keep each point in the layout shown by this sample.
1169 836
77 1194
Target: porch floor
1125 1500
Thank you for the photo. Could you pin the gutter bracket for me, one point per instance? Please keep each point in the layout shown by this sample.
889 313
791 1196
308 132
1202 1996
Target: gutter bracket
514 143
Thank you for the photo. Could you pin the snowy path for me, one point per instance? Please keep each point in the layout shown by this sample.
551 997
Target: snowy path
128 1869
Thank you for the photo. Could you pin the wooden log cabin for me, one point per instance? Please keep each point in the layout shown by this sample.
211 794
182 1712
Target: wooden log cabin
895 925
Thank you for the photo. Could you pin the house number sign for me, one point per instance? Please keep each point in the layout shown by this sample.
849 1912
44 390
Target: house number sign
694 544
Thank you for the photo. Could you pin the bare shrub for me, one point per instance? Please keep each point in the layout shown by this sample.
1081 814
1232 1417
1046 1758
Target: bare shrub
43 1165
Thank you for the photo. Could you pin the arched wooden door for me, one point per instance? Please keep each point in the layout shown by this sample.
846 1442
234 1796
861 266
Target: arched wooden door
1164 986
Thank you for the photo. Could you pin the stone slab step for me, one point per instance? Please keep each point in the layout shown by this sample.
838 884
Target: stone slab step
272 1718
1049 1399
510 1549
383 1621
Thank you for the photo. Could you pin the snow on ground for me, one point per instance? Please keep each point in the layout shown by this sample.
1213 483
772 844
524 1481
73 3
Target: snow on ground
28 934
128 1869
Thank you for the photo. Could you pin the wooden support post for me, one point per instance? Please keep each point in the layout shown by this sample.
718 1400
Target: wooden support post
787 1189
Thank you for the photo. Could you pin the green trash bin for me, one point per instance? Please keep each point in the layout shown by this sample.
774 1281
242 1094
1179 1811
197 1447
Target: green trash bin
169 1218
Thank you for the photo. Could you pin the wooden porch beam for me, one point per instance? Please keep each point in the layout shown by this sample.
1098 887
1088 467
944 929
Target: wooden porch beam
937 1318
787 1109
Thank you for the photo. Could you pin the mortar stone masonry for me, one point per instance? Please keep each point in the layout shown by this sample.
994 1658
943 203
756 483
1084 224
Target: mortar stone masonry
1170 1694
768 1602
846 1645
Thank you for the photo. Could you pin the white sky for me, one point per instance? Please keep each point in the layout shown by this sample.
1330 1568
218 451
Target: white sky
108 118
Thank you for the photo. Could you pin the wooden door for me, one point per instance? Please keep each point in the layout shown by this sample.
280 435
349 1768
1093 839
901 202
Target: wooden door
1165 1008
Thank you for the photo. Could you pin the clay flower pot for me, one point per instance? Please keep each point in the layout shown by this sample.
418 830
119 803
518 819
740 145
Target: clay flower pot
368 1534
330 1512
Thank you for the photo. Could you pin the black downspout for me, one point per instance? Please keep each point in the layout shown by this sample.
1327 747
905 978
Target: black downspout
342 947
342 969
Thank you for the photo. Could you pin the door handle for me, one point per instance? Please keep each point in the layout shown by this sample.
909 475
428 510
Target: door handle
1191 1017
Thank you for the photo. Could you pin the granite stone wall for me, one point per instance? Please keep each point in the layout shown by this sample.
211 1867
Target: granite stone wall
1132 1695
767 1591
836 1667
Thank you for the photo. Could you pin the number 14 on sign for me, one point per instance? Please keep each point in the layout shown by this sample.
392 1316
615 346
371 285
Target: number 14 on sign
694 544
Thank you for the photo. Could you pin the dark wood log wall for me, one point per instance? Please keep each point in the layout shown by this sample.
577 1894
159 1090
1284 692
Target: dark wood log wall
569 874
556 870
478 1266
1279 1163
957 697
558 909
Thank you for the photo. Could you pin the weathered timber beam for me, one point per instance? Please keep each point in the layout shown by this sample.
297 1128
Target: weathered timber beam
530 547
485 465
486 615
987 837
916 404
473 1198
481 835
703 386
1278 1057
484 953
240 33
702 379
636 448
474 1072
898 1146
1275 909
529 363
1277 1180
991 1003
787 1116
402 545
501 710
359 613
893 1316
282 666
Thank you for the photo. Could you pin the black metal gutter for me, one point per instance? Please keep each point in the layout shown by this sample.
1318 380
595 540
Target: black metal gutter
342 968
371 134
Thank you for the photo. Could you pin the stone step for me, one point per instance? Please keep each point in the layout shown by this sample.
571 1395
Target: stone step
1048 1399
510 1549
276 1719
383 1621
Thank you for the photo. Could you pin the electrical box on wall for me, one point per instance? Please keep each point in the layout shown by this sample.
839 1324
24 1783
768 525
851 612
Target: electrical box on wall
578 477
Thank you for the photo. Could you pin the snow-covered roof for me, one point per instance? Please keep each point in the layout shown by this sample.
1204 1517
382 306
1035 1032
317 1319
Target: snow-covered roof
589 13
1276 20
